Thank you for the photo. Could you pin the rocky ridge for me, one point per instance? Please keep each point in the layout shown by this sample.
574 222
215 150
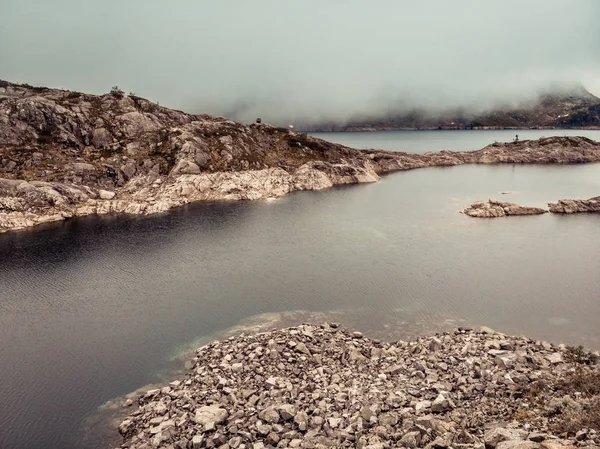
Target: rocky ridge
322 386
576 206
494 208
65 154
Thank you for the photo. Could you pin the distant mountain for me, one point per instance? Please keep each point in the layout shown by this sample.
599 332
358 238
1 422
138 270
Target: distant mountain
572 108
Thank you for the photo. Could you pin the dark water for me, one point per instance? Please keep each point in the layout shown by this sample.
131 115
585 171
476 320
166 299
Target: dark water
423 141
94 308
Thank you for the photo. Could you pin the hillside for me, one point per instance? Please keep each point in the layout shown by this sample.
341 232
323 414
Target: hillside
66 154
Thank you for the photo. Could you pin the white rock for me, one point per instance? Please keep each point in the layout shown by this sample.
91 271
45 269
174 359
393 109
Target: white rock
422 406
210 413
197 441
334 422
106 194
236 367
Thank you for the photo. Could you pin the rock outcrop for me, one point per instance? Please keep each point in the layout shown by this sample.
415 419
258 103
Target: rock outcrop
494 208
576 206
66 154
324 387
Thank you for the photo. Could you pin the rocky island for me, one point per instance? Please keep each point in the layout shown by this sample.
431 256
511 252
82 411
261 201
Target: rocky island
494 208
65 154
315 386
576 206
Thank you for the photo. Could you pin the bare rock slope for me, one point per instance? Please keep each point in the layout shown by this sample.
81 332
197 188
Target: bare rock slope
65 154
494 208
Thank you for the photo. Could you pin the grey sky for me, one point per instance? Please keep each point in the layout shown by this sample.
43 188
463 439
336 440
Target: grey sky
292 60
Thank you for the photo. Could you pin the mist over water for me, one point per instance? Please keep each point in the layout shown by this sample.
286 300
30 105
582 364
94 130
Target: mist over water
305 61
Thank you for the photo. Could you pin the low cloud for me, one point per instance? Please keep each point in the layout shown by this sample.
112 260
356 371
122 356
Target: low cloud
304 61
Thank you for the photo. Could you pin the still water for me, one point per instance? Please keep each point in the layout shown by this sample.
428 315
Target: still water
94 308
455 140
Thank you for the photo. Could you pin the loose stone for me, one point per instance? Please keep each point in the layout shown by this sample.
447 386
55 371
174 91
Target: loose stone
329 388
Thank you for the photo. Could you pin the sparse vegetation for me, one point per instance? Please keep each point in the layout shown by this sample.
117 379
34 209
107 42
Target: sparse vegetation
587 383
572 402
536 389
580 356
117 92
584 380
572 421
584 384
522 415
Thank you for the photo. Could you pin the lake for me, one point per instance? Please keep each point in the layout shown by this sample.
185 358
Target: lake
93 308
456 140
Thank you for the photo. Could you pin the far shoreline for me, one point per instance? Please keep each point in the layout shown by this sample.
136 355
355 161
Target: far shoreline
383 130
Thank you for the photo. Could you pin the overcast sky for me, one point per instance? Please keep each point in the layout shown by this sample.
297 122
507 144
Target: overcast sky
294 60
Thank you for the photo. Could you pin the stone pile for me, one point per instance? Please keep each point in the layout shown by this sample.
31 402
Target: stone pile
323 386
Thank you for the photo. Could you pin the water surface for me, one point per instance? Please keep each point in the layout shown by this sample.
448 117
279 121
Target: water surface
94 308
455 140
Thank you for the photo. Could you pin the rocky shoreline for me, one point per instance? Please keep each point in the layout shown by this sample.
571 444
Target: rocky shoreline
323 386
66 154
494 208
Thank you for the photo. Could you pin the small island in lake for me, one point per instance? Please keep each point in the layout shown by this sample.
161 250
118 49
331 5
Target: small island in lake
576 206
494 208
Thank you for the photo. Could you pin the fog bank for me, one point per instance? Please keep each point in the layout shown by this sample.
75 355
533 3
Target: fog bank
308 60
